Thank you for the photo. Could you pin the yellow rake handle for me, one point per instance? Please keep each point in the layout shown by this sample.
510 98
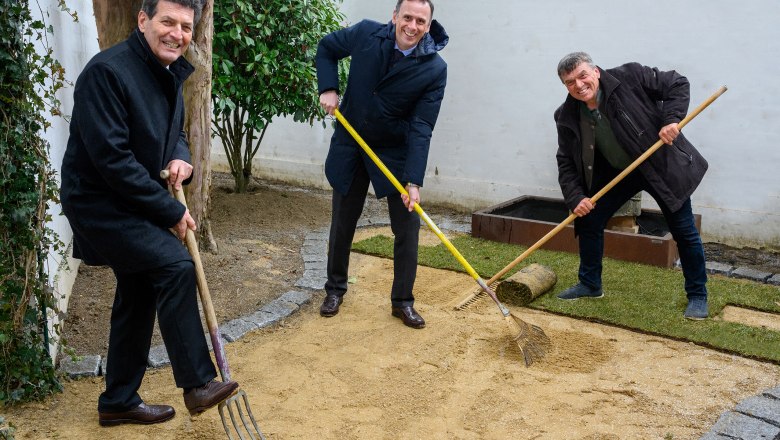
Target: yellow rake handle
402 190
607 187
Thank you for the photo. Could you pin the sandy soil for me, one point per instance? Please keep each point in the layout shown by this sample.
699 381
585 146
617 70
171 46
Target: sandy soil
751 317
363 375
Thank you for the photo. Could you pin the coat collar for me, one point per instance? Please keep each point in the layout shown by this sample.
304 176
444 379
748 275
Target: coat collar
607 84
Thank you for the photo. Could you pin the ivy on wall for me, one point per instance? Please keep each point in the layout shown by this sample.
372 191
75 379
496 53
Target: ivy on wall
29 80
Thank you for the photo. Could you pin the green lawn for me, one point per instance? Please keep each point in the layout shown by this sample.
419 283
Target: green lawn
638 297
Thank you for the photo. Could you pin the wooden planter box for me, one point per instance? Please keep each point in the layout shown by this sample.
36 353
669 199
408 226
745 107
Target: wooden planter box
526 219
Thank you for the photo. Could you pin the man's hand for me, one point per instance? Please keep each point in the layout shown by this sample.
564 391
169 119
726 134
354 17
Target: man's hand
179 171
186 222
584 207
669 133
329 101
412 198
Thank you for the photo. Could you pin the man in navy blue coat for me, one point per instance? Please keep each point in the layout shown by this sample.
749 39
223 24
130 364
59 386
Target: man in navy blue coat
127 125
394 91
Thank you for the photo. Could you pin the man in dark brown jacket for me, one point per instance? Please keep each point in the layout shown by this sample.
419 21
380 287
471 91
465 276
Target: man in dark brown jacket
609 118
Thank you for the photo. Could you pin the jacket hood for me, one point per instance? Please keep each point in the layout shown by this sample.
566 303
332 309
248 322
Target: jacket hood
433 41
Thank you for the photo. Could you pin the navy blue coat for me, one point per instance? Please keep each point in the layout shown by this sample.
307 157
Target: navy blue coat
127 125
394 112
638 101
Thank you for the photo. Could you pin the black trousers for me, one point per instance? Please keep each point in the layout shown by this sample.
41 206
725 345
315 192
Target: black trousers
168 291
406 229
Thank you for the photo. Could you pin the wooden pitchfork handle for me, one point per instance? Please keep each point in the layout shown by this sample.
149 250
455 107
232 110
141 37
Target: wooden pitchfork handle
607 187
203 291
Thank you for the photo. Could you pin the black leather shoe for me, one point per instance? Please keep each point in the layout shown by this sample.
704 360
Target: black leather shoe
143 414
330 306
409 316
202 398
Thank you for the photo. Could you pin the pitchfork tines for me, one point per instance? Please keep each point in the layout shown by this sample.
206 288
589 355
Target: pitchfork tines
239 420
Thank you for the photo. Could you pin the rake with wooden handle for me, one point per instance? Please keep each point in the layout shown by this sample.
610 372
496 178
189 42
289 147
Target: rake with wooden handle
531 340
233 404
473 295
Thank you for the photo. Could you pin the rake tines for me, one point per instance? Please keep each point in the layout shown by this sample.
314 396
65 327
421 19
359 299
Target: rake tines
238 417
531 340
470 299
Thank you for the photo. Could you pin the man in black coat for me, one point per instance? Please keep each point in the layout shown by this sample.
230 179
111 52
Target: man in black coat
394 92
127 125
609 118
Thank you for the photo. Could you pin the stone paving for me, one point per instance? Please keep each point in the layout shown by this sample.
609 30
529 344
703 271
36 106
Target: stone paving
756 417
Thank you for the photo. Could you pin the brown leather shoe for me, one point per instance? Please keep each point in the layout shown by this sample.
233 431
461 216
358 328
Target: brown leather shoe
143 414
330 306
409 316
202 398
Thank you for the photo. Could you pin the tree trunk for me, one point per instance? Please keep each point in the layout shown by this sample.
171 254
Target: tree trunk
197 100
116 19
242 182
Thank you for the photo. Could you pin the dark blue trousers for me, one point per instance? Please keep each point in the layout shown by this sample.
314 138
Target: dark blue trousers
590 230
406 229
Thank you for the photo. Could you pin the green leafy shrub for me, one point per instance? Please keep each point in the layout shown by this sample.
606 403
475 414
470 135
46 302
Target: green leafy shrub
263 67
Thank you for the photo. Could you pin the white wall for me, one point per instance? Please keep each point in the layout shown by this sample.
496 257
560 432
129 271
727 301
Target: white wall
496 140
74 43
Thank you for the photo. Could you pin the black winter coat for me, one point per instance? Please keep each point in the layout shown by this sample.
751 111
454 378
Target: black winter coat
127 125
638 101
394 112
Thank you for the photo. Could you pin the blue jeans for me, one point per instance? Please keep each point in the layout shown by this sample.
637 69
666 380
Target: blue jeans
590 229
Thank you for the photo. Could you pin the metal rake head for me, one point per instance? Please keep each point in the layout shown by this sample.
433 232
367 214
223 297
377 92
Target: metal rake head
469 299
532 340
242 420
472 297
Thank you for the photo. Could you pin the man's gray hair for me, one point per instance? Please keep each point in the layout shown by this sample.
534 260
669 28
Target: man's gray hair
571 61
398 5
150 7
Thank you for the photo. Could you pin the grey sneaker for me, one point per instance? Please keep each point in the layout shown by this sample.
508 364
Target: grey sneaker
580 290
697 309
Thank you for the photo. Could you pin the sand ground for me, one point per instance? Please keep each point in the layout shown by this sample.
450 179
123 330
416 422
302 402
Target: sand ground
363 375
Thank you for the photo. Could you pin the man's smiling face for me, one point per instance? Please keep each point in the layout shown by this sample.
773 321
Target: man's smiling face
412 21
583 83
169 32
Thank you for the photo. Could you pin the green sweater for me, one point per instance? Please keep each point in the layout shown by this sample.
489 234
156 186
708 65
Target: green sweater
606 143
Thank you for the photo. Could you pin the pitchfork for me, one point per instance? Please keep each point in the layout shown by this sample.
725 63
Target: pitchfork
232 405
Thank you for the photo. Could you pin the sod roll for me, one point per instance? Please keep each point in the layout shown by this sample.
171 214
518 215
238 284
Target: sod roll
526 285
